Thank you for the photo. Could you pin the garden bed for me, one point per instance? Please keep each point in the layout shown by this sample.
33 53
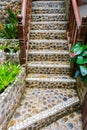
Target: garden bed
10 98
14 57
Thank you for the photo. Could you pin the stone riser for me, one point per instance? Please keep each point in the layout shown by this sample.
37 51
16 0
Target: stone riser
47 35
48 120
44 84
53 57
49 11
60 125
37 18
48 70
48 5
51 46
48 26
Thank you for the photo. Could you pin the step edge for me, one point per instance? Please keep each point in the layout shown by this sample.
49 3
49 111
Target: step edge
49 14
41 8
49 22
50 80
48 52
54 1
52 31
41 65
45 40
42 115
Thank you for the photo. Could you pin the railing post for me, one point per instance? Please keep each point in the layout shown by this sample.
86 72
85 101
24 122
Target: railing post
82 33
21 37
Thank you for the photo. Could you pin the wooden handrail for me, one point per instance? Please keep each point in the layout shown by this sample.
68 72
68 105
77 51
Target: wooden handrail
23 29
23 11
77 13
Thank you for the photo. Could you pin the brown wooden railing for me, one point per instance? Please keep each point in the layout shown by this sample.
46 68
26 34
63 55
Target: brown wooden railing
23 29
77 31
77 26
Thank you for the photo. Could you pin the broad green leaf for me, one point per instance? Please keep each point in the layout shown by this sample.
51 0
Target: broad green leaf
84 53
77 45
80 60
79 50
77 73
85 60
83 70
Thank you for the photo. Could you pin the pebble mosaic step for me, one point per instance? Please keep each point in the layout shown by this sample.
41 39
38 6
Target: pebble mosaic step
47 4
50 81
48 25
48 34
48 55
69 122
48 44
48 17
2 3
38 106
46 67
42 10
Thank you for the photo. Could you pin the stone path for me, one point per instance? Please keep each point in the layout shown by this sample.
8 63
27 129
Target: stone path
50 100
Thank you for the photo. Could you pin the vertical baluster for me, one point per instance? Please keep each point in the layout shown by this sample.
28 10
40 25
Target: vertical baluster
82 34
73 30
75 34
21 41
71 22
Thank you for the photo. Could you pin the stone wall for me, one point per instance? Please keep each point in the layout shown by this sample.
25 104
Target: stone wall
15 4
81 89
9 99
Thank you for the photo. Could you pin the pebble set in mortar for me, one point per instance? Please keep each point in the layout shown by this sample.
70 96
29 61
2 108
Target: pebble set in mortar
15 4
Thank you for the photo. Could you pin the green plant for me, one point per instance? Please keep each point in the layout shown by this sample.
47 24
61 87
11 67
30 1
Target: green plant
78 55
10 47
12 16
8 73
8 30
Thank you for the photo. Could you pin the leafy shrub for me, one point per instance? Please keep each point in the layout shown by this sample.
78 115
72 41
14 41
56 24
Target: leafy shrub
78 55
8 73
9 30
10 47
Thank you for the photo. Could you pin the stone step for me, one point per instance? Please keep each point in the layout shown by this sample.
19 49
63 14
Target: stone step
47 4
50 81
48 55
40 106
48 34
48 67
50 10
71 121
2 3
48 25
48 17
48 44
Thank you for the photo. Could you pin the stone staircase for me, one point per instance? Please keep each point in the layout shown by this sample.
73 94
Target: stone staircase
50 100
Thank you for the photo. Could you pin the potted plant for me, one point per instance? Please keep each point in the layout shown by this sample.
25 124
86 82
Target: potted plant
78 57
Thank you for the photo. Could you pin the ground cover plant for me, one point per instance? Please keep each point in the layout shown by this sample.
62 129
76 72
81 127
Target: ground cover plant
8 74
